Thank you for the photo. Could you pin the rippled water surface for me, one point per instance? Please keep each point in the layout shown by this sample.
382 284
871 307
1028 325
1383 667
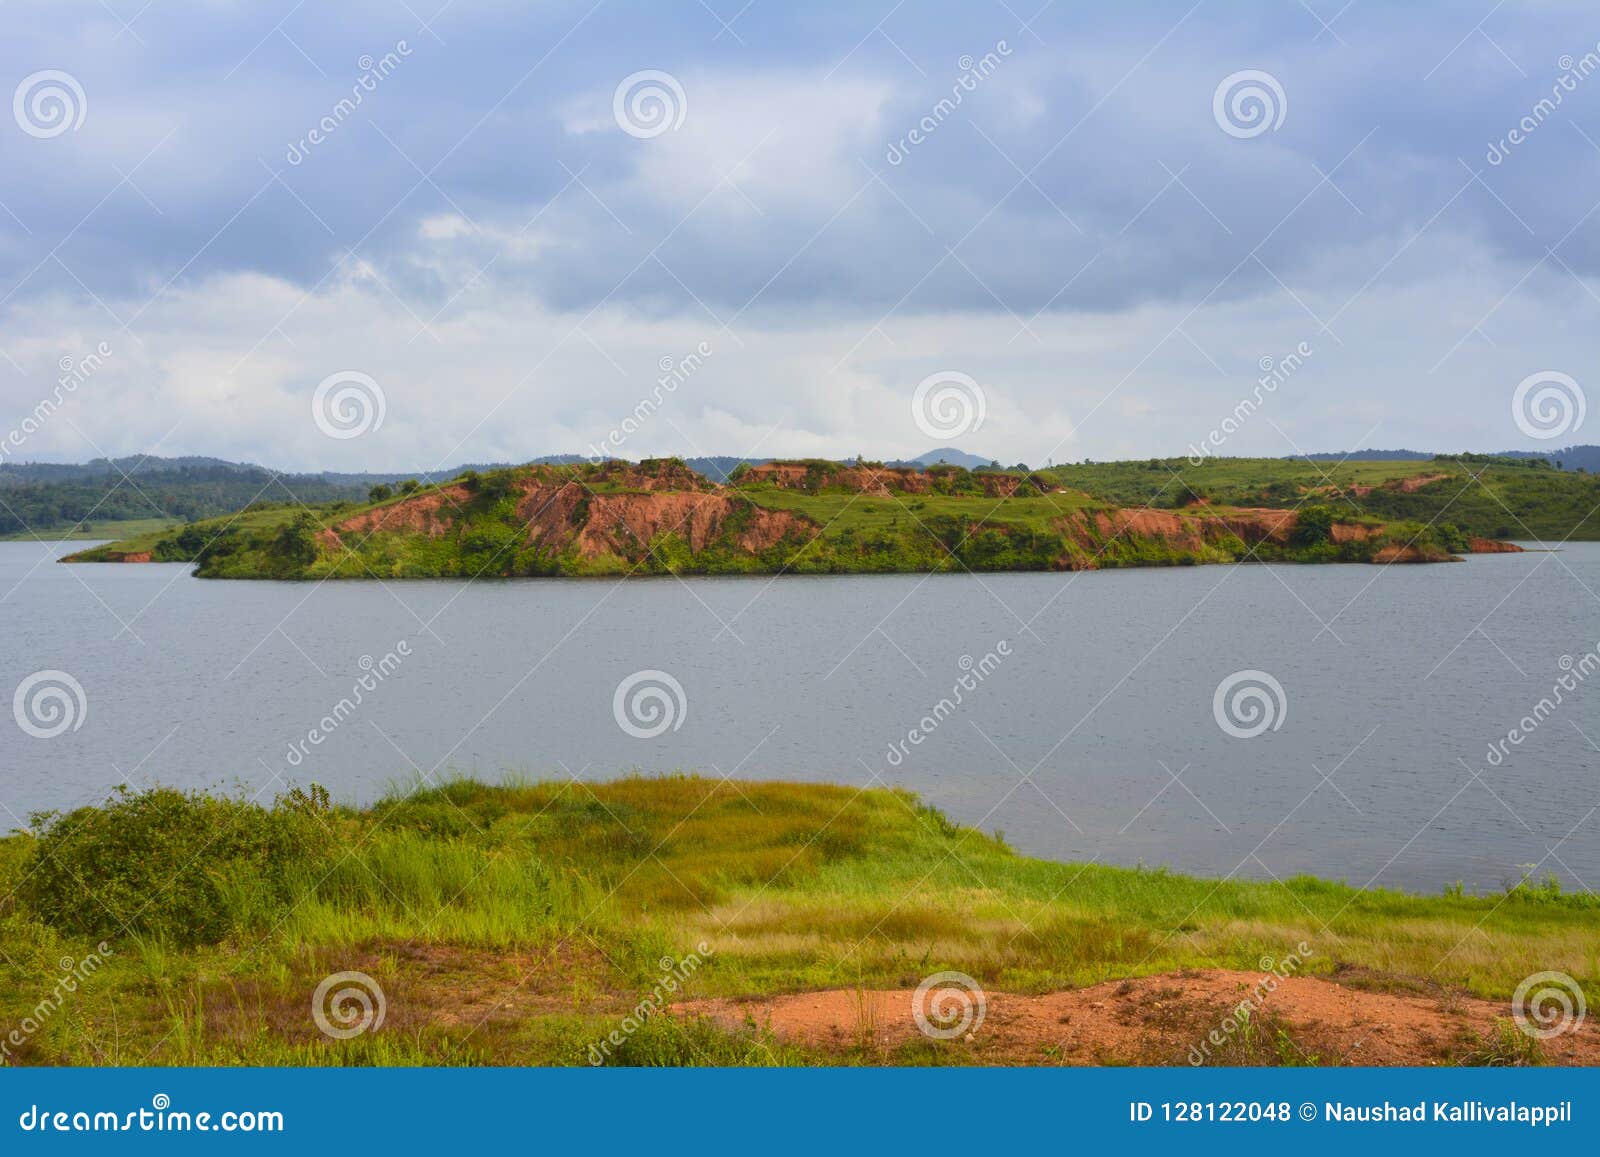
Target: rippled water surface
1094 737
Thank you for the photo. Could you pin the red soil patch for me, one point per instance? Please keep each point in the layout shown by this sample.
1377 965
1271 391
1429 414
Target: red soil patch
427 514
1492 546
619 523
1399 553
1254 525
1168 1019
1407 485
1342 532
561 513
1181 531
129 556
559 516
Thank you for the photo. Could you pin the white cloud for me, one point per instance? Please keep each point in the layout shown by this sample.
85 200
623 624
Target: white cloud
228 366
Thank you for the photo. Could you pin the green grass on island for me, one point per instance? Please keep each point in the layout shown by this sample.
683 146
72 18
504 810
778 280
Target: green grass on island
658 518
520 924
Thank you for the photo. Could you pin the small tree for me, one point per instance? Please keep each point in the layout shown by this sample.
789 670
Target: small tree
382 492
1313 524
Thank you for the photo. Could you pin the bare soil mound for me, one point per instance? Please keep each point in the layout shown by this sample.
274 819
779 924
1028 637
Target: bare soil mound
1177 1018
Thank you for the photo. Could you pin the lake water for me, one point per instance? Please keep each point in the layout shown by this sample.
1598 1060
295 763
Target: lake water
1088 732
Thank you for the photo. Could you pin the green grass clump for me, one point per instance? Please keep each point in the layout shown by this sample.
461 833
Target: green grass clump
176 866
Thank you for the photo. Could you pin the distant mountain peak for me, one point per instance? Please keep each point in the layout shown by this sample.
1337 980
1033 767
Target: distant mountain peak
950 456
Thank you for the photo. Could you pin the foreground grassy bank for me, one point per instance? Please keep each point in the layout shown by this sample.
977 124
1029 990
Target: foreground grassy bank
522 924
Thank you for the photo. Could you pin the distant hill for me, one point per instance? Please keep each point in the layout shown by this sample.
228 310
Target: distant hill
45 499
718 466
1568 458
947 455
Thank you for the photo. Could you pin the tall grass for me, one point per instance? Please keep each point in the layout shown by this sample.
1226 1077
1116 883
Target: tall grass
519 923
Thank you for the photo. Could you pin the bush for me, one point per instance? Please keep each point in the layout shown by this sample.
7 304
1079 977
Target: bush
1313 525
177 866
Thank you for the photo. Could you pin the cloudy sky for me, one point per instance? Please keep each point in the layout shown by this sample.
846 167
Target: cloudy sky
1081 214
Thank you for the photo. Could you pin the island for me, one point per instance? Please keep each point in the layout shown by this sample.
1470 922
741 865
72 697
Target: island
814 516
